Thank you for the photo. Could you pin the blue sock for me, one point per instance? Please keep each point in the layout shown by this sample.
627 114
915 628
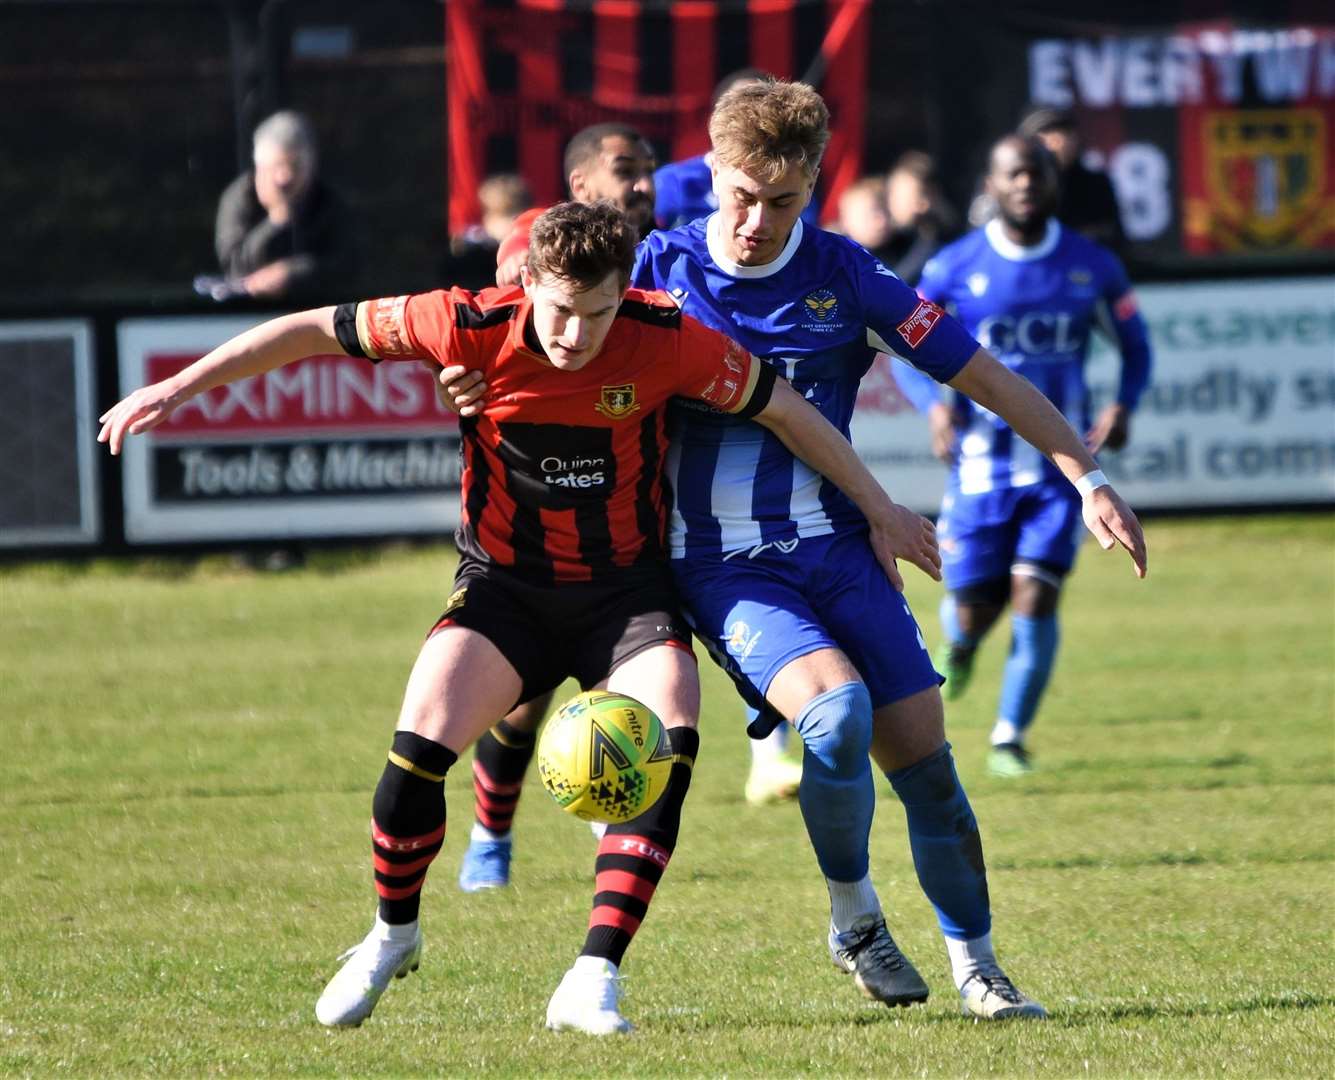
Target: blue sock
1033 648
950 624
947 850
837 794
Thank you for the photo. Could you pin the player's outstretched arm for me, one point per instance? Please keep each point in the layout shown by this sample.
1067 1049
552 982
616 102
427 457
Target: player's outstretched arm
262 348
896 531
1036 420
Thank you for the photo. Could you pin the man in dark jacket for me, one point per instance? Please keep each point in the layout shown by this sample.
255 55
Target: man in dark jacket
280 229
1086 203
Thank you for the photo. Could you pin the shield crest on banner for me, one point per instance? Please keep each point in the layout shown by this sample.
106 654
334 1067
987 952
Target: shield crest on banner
1265 175
618 401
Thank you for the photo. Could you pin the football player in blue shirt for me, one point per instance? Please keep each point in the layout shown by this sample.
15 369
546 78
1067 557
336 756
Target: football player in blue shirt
778 571
1031 291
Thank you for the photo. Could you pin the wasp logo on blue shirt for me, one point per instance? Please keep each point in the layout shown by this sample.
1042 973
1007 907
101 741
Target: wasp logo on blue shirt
822 306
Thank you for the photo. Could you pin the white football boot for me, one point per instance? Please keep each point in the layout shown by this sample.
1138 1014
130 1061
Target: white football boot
351 995
772 781
988 995
588 1000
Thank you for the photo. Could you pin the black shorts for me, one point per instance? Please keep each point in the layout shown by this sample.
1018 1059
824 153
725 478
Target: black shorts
580 630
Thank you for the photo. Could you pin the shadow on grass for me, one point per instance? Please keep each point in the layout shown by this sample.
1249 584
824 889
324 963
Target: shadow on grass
1157 858
1073 1016
1102 1012
1028 786
1226 761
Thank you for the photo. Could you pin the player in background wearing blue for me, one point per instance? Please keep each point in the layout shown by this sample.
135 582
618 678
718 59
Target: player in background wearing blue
1031 291
774 565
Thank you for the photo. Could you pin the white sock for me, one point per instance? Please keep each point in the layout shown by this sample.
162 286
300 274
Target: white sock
595 965
771 747
482 833
394 931
967 957
850 901
1003 731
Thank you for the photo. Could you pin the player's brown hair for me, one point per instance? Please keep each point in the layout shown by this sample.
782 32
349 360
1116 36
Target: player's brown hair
582 244
764 127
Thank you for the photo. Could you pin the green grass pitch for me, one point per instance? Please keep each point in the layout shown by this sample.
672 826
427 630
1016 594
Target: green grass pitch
189 752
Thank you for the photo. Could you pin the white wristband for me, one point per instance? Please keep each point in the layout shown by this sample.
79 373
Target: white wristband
1090 481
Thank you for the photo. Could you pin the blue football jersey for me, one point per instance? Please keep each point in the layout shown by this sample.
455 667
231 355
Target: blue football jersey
819 313
1034 308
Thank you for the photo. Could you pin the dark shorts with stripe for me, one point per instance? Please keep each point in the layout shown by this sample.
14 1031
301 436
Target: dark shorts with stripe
580 630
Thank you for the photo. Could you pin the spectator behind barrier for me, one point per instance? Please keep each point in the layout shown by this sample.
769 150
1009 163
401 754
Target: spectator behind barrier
921 220
503 197
280 229
1087 202
863 217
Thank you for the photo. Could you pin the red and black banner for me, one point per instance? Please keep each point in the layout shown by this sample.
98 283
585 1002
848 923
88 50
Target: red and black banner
522 76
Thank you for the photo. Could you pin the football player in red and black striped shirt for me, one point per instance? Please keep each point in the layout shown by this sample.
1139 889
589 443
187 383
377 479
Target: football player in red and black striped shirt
607 162
561 562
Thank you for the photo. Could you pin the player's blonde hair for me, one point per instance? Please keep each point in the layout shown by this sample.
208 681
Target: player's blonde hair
765 127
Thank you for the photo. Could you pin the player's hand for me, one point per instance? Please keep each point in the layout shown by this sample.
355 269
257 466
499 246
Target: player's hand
1111 521
902 534
508 272
945 437
459 389
142 411
1111 429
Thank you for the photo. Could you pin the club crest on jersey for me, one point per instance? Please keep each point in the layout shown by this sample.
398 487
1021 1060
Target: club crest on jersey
822 306
916 327
1079 276
618 401
977 283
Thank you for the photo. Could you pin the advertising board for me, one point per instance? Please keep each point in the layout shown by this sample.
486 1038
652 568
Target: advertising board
327 446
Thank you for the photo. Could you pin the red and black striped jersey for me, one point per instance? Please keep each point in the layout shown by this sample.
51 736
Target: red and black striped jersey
563 470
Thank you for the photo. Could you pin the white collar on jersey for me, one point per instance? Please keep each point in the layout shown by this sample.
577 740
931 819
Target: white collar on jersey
1009 249
730 268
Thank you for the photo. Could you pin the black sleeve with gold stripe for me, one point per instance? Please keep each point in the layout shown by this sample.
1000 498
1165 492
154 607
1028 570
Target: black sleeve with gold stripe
764 390
345 329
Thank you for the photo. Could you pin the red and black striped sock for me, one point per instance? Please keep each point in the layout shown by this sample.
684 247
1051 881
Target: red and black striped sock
408 822
499 763
633 856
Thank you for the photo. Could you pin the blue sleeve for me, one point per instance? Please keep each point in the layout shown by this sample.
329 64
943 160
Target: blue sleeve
1133 338
642 273
903 324
921 389
667 197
